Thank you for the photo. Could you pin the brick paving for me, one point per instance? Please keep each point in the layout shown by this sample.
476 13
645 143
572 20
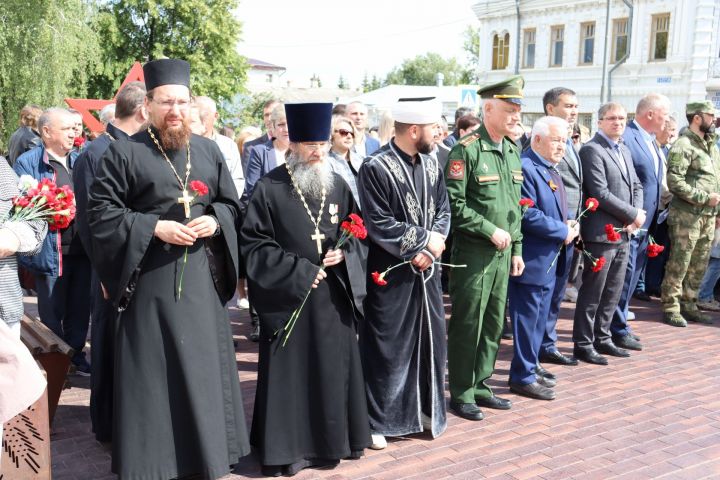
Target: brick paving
654 415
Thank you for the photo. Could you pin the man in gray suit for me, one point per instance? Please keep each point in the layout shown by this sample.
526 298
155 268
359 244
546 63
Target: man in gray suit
562 103
609 177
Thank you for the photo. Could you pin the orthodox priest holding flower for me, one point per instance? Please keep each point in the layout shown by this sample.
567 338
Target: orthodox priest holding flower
402 340
310 408
168 260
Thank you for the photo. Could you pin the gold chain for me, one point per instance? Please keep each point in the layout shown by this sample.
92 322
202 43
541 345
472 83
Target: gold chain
183 186
315 221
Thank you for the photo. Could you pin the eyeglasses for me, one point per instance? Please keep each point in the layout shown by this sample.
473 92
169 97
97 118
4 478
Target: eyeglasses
614 118
314 147
344 133
169 104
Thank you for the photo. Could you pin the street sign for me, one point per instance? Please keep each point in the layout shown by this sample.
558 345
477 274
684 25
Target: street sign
468 97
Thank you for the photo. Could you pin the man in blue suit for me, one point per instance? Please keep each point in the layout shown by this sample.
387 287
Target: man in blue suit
546 230
651 115
365 145
268 107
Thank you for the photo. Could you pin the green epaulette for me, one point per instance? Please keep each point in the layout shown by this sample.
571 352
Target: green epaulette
469 138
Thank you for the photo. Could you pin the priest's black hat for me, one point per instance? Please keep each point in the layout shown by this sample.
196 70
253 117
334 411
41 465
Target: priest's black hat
308 122
166 71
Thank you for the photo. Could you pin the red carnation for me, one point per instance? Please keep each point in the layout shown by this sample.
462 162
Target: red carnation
355 218
592 204
379 278
598 264
79 141
527 202
199 188
653 250
612 234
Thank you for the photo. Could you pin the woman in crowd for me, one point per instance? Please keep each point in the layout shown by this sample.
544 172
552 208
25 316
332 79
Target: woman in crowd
343 160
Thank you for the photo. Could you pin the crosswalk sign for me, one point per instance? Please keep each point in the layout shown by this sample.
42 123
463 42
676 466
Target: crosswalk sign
468 97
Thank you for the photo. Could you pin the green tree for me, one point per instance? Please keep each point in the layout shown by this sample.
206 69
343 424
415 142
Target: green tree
375 83
471 45
247 110
203 32
422 69
47 53
342 83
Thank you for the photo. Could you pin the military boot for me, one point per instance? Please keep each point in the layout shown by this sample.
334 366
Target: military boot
696 316
674 319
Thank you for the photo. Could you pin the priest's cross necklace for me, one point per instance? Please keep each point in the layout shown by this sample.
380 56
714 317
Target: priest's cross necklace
317 237
186 199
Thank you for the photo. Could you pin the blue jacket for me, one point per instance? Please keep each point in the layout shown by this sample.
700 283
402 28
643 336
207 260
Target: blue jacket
262 160
371 145
543 226
643 161
36 164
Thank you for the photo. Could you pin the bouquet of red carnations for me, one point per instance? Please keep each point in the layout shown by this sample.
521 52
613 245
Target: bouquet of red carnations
43 200
353 227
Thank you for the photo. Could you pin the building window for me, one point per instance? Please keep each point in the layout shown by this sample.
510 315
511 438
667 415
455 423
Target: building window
501 51
659 36
587 43
529 52
556 45
269 77
619 39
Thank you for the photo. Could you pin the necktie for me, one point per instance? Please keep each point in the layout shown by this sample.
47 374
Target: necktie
572 155
557 180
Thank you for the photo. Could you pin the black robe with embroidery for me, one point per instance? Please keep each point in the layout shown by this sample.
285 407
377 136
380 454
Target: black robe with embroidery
177 403
402 341
310 403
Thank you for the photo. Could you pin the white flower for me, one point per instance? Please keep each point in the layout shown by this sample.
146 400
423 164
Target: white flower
27 182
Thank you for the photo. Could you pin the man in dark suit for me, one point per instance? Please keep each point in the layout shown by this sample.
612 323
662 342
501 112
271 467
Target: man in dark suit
365 145
267 155
610 178
456 135
545 229
651 115
562 103
267 108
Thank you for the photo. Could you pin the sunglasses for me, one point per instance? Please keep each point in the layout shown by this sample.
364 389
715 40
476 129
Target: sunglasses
345 133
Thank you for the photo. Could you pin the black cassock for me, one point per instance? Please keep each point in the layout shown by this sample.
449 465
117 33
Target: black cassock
310 402
177 403
402 340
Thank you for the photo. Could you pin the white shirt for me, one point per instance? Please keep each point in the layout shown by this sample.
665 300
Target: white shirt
649 140
231 154
279 157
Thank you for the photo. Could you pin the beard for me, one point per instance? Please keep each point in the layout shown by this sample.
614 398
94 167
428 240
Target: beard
425 147
310 178
707 127
174 138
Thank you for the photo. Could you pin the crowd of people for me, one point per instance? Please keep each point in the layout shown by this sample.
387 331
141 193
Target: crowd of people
340 240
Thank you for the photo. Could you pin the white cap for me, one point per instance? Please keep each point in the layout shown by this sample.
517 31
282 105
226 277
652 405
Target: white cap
417 111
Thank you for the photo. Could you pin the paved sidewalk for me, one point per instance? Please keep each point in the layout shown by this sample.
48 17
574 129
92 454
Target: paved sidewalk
654 415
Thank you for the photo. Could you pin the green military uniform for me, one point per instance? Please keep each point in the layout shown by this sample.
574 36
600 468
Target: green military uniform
693 174
483 182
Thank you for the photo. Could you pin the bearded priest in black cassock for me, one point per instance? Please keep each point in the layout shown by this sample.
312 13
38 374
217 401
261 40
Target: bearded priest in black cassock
310 405
177 405
402 341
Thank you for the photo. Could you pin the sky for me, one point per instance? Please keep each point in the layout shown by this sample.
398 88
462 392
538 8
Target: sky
333 38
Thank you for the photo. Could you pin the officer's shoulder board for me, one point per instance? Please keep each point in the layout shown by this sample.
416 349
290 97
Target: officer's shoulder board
469 138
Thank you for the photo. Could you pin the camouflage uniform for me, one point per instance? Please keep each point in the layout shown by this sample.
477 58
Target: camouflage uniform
693 173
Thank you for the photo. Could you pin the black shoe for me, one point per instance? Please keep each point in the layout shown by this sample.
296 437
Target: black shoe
468 411
627 342
254 333
642 296
546 381
539 370
532 390
589 355
611 349
557 358
494 402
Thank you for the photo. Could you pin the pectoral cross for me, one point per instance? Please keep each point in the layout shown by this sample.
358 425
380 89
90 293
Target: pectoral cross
318 237
186 200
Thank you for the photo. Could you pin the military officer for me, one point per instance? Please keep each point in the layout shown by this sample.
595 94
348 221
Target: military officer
483 178
693 178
